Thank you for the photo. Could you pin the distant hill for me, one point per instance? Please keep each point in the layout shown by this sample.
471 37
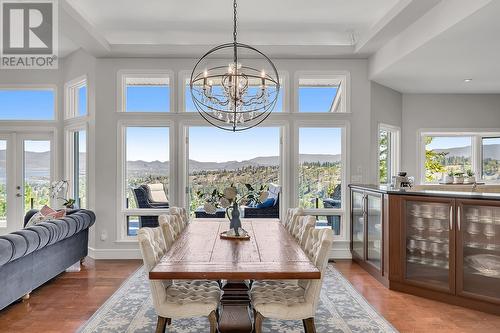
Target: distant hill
491 151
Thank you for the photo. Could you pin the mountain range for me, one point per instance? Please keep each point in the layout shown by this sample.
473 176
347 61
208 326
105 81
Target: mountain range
491 151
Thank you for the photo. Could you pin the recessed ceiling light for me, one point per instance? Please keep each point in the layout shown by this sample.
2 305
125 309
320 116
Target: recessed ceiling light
467 80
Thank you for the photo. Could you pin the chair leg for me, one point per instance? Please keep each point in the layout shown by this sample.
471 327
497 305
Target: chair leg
212 318
161 325
258 319
309 325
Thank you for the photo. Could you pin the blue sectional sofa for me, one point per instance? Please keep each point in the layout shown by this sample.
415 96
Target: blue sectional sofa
34 255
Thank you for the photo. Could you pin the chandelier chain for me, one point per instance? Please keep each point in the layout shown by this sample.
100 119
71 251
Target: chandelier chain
235 5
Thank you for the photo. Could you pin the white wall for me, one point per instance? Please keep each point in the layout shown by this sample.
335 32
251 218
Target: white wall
386 108
440 112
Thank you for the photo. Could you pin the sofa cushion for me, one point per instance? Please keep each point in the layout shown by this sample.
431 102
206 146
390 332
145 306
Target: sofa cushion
53 231
269 202
62 227
43 235
31 237
19 244
6 251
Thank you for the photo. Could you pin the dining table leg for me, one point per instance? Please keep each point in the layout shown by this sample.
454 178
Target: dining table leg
235 308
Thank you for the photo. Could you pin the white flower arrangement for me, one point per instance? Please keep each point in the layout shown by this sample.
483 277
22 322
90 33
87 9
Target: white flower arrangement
230 198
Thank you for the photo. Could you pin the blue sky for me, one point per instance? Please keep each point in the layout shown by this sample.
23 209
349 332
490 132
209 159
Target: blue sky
82 101
26 104
316 99
148 99
444 142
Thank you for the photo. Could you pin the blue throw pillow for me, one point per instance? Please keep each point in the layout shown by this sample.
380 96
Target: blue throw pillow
269 202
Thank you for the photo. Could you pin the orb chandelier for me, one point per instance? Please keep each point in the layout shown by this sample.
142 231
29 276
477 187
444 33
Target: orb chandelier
230 94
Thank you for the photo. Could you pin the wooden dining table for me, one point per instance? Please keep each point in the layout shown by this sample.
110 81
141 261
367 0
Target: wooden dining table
200 253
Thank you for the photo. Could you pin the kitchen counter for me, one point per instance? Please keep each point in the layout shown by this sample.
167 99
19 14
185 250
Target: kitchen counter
425 191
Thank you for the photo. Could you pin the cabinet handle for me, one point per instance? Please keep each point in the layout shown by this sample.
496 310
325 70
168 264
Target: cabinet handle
458 218
451 218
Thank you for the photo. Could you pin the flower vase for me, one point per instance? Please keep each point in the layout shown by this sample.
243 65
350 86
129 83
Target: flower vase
235 219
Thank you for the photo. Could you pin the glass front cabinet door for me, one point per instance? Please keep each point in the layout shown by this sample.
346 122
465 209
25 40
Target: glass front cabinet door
478 249
374 230
358 224
428 254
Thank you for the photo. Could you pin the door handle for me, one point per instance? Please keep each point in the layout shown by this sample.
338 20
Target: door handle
19 195
451 218
459 223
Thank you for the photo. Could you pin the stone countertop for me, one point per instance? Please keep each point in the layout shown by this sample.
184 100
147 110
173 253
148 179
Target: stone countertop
428 192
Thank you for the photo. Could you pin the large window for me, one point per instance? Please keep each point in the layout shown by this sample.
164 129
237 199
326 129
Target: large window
320 172
36 173
388 153
490 163
27 104
218 159
322 93
446 154
147 160
146 175
145 93
79 170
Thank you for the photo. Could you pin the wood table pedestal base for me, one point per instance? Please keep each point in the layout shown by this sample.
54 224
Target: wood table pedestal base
235 308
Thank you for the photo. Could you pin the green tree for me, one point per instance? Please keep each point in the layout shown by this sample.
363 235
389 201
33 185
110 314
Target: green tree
434 162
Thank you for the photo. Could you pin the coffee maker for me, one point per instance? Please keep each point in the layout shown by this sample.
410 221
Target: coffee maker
402 181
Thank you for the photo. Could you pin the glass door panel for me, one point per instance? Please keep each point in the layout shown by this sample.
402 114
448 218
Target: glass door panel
36 173
358 224
480 246
427 226
374 230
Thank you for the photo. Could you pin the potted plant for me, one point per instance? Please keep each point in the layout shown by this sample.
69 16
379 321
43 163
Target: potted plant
62 186
448 177
470 178
458 178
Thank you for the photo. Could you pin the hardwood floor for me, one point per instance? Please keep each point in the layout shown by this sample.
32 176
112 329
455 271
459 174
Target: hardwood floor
70 299
66 302
412 314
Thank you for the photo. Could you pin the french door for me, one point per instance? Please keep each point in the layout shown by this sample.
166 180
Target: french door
26 172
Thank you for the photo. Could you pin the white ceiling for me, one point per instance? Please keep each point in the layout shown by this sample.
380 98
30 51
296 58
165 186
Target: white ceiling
413 45
261 22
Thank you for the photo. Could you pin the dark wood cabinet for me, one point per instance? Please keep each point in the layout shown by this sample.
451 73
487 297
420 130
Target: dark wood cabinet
478 250
447 249
368 227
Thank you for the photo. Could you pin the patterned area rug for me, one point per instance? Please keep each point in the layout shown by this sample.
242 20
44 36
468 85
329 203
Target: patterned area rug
341 309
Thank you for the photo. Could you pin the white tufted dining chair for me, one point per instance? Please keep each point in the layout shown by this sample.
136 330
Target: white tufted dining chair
291 217
176 299
301 228
181 213
290 301
171 226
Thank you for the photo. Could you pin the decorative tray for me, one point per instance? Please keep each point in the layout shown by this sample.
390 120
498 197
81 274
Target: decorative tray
229 234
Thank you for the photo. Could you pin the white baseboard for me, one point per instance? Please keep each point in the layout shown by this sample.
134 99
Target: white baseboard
114 253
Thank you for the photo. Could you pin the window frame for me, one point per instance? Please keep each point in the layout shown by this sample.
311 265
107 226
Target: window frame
345 89
344 125
71 98
69 162
476 150
394 150
122 75
46 122
122 211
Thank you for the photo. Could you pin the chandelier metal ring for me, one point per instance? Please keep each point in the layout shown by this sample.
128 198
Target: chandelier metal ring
230 95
